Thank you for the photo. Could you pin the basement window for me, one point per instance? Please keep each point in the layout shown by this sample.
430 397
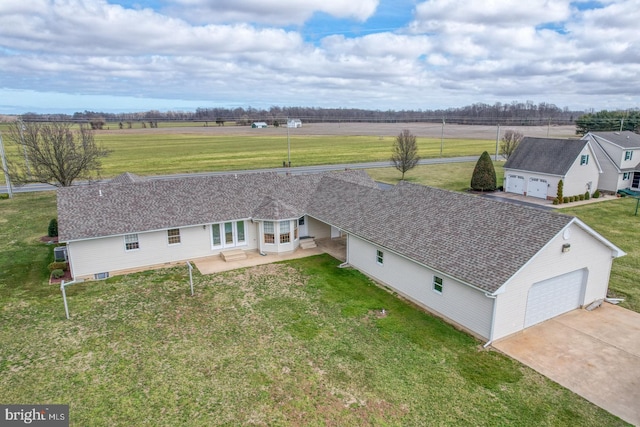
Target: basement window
101 276
437 284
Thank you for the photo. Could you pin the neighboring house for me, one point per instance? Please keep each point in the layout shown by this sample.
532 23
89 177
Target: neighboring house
538 164
619 156
489 267
259 125
294 123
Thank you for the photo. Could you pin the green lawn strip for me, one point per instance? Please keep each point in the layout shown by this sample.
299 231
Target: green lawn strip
449 176
616 221
296 343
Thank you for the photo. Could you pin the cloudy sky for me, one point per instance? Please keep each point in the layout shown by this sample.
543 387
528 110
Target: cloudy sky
131 55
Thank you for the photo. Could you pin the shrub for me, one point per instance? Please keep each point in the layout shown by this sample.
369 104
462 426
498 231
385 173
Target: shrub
581 197
58 266
560 189
565 199
596 194
53 228
57 273
484 174
587 196
555 201
4 196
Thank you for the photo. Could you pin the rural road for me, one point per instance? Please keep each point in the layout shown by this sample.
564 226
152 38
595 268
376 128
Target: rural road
294 170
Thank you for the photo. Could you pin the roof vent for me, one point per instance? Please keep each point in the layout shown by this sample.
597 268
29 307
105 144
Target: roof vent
100 193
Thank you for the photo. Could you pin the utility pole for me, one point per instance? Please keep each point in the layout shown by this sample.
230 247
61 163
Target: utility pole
442 138
4 168
288 145
497 139
24 147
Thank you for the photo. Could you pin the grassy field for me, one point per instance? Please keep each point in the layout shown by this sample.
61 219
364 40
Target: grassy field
169 151
297 343
449 176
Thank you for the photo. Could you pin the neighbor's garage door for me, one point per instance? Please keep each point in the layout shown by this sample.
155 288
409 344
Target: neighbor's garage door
554 296
537 188
515 184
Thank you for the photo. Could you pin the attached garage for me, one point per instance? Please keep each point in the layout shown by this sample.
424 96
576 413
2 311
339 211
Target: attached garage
537 188
555 296
515 184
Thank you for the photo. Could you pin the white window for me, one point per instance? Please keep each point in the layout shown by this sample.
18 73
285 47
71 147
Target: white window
101 276
173 236
285 232
628 155
437 284
380 257
131 242
269 232
584 159
216 237
240 232
233 232
228 233
626 176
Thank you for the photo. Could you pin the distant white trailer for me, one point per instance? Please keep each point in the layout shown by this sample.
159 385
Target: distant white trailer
294 123
259 125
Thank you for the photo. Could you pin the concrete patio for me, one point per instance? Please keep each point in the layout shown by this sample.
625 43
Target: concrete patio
215 263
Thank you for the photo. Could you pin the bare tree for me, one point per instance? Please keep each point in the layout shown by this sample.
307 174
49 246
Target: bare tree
55 153
510 142
405 152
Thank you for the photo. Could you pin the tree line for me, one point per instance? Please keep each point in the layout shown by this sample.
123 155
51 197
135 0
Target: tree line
514 113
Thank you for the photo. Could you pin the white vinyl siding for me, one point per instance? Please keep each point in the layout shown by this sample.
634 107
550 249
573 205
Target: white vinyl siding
586 253
462 304
88 257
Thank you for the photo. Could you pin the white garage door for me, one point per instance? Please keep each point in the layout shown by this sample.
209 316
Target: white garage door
537 188
554 296
515 184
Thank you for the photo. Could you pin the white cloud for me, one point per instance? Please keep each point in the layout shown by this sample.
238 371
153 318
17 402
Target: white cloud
274 12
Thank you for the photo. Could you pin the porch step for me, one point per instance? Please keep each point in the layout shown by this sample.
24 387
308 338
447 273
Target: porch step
233 255
308 243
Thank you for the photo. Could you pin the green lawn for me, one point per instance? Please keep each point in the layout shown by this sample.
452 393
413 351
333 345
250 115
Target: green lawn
175 152
296 343
615 220
450 176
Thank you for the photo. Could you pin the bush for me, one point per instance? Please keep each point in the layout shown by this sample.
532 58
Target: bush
565 199
581 197
587 196
58 266
56 274
555 201
4 196
561 198
596 194
484 174
53 228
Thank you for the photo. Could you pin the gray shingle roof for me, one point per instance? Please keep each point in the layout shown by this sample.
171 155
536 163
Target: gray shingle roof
624 139
545 155
476 240
126 205
126 178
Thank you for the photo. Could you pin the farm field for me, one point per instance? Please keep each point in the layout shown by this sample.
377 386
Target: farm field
295 343
165 150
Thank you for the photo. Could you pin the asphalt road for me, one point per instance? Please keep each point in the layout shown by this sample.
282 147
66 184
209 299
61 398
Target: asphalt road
293 170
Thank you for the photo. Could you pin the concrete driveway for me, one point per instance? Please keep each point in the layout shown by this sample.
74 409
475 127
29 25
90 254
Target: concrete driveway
595 354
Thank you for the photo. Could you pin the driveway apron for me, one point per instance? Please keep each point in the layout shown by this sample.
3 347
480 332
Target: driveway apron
595 354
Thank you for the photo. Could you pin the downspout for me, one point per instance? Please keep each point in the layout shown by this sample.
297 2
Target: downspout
493 319
260 237
346 262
